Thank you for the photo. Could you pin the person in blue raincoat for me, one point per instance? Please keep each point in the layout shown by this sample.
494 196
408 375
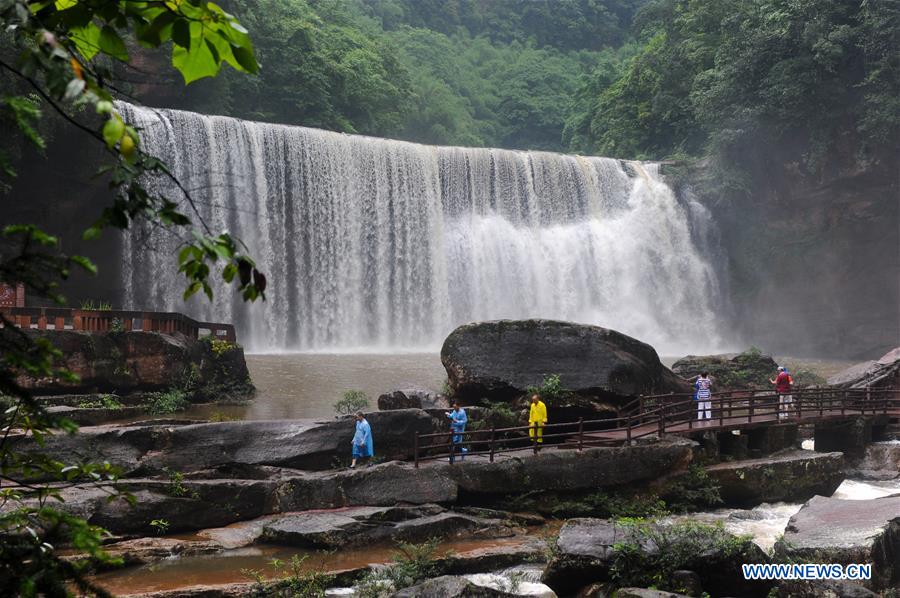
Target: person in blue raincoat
363 447
458 421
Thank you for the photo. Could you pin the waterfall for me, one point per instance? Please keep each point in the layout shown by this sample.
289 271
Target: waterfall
378 244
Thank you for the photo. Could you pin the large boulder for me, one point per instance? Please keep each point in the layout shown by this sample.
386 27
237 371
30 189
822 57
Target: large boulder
832 530
878 374
790 476
501 359
588 549
135 361
748 370
301 444
412 398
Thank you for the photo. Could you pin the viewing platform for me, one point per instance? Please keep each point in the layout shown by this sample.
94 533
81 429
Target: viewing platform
92 320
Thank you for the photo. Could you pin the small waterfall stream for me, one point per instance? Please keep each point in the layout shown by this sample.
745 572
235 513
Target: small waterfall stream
373 243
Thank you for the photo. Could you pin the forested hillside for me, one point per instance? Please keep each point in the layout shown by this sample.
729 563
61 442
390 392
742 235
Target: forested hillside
503 73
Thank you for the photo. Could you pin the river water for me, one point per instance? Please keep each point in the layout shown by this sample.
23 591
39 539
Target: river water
764 523
307 384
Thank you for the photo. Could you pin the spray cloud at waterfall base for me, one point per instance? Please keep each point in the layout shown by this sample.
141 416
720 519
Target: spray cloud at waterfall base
375 244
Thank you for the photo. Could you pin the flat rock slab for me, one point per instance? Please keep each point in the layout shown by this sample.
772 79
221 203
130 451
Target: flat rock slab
364 525
300 444
570 470
847 531
791 476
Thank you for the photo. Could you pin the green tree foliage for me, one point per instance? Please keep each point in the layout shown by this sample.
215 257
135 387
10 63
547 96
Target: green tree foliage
501 73
808 80
63 56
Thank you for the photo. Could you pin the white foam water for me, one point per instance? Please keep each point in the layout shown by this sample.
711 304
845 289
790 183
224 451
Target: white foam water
380 244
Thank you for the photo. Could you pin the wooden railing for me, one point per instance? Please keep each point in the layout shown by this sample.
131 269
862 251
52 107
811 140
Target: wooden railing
64 318
657 415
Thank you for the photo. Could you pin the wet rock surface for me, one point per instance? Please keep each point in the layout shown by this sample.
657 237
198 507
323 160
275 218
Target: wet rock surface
571 470
131 361
831 530
733 372
500 359
587 548
412 398
450 586
789 476
304 444
219 496
362 525
878 373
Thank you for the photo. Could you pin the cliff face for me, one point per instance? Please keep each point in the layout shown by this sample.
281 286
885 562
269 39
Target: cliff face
813 266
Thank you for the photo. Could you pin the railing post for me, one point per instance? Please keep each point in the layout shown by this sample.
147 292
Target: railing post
580 433
628 429
533 430
869 398
662 419
492 443
416 451
640 408
721 413
750 413
844 402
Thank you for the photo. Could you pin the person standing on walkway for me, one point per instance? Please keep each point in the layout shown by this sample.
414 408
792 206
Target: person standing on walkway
363 447
703 396
782 384
458 421
537 419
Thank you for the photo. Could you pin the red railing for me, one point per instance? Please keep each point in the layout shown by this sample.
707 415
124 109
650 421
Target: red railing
64 318
657 415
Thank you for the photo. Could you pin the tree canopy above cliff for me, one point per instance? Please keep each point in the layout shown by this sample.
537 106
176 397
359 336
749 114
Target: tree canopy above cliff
809 81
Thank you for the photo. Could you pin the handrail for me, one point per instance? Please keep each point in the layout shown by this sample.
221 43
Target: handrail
67 318
743 408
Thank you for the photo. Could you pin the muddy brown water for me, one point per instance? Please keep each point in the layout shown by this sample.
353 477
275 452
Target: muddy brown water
235 566
306 385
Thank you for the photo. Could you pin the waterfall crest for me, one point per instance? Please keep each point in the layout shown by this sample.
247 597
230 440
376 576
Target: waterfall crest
378 244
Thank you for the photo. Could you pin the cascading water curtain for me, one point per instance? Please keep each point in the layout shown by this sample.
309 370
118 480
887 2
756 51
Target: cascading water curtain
375 244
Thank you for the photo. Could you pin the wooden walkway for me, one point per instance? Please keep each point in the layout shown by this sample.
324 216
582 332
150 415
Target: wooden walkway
658 415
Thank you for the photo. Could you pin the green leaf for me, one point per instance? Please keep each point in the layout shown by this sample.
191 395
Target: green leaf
113 130
194 64
192 289
92 233
85 263
111 44
181 33
245 58
87 40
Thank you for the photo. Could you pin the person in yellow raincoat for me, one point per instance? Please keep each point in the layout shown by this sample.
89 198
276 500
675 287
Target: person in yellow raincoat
537 419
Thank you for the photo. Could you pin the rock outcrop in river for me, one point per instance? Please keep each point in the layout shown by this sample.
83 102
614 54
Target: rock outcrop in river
598 550
788 476
500 359
137 361
831 530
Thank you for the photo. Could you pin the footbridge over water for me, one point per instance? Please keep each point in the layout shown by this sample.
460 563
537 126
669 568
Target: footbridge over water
844 420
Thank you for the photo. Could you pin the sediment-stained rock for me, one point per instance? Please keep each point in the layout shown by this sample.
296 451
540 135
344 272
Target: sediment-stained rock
789 476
